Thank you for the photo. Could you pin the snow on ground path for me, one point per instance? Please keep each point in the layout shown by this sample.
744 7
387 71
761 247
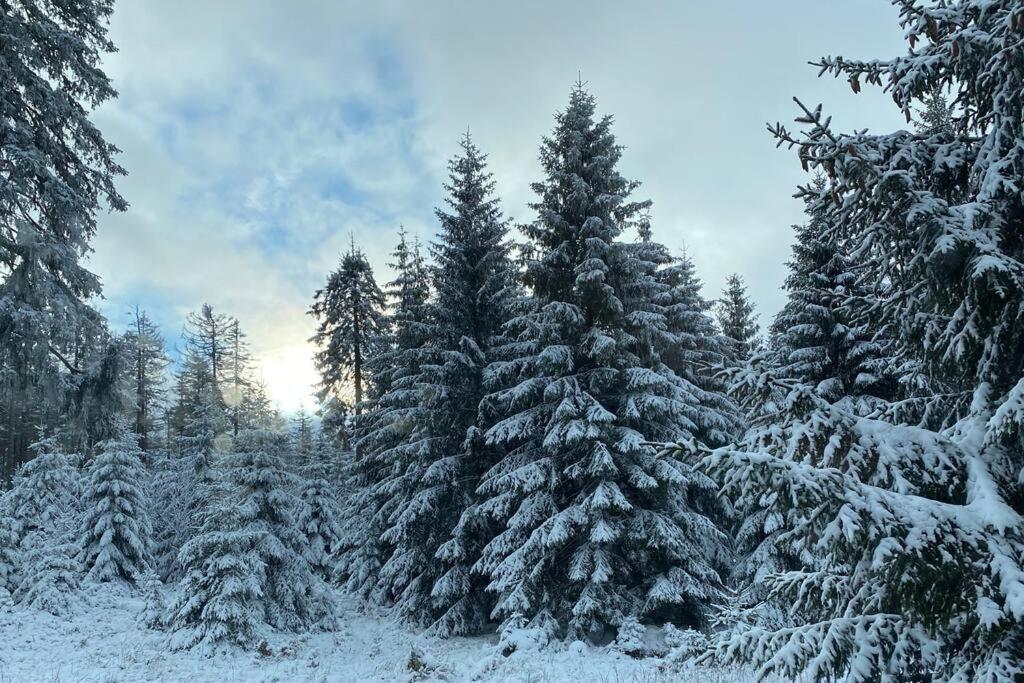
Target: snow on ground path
102 642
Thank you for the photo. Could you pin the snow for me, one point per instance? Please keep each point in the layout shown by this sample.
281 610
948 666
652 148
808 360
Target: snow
103 640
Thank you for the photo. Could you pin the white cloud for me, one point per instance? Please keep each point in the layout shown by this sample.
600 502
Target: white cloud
259 135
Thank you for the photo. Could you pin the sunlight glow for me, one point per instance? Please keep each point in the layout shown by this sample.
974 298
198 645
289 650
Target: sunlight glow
290 377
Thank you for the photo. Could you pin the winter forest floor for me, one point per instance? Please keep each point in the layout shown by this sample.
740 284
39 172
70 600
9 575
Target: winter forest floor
103 642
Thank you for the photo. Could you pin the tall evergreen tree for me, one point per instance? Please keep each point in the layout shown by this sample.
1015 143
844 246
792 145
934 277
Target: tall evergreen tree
390 436
208 336
694 350
237 382
912 560
439 465
597 528
57 170
736 318
350 313
147 364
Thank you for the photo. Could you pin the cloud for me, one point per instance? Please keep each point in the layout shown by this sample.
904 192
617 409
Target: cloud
261 135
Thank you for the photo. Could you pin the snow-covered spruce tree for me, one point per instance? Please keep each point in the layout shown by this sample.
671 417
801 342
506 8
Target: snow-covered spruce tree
433 544
695 351
218 600
45 493
293 597
116 536
320 520
390 438
917 560
49 571
10 559
246 567
350 313
50 68
736 318
597 526
175 510
820 338
302 438
43 505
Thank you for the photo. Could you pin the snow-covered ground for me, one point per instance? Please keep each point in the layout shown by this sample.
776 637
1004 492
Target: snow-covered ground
103 642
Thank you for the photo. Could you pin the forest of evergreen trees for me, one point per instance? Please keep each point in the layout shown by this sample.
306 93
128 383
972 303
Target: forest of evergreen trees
551 425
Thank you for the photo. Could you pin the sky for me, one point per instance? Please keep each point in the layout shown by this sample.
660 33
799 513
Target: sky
261 136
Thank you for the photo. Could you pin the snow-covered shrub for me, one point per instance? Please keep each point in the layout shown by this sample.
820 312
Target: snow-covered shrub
631 638
49 576
684 644
116 536
154 609
522 636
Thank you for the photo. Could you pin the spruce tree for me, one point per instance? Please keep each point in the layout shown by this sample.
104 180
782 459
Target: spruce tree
10 560
45 493
911 560
736 318
43 505
175 507
218 597
477 294
695 351
57 171
350 313
820 340
390 437
597 527
246 567
116 536
320 520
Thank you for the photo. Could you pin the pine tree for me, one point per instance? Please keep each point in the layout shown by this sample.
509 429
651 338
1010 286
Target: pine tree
57 170
597 527
116 536
736 318
146 364
909 542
